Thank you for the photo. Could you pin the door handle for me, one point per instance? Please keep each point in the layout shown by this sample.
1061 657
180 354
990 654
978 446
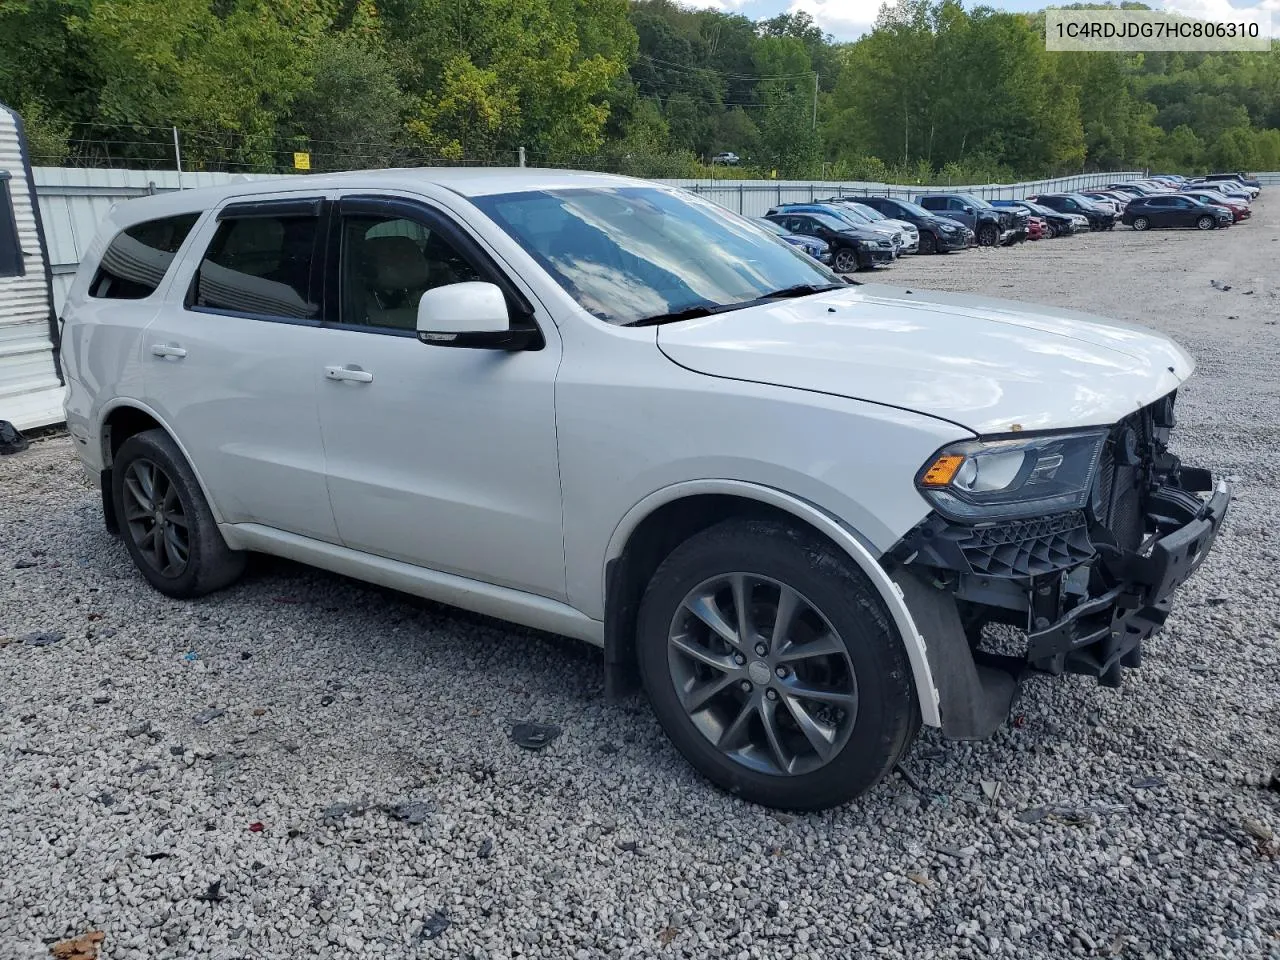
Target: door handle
167 350
349 372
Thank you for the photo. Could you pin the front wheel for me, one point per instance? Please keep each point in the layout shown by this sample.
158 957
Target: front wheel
1141 223
773 666
845 260
988 235
1205 223
168 527
928 242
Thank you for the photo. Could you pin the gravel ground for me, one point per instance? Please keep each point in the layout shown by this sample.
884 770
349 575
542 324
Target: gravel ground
303 765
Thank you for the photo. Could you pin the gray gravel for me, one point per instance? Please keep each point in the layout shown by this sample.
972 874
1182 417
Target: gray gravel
303 765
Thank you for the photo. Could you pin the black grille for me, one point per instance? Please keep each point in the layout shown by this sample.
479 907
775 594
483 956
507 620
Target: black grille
1028 548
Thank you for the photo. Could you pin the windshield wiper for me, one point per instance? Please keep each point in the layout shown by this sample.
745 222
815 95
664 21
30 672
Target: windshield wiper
688 313
802 290
707 309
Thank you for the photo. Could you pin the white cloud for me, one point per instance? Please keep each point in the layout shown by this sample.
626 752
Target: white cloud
1220 9
844 19
722 5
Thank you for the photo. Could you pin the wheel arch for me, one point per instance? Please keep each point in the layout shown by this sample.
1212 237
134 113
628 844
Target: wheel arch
658 523
123 418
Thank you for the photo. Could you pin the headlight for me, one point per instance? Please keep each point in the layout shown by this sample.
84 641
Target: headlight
883 243
978 480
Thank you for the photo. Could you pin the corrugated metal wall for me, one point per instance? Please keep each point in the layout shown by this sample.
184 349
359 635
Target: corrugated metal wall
30 391
73 201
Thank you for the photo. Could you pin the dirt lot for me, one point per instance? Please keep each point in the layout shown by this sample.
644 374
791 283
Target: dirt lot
360 797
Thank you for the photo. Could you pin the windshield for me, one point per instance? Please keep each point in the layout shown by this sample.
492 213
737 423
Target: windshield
975 202
627 254
914 209
870 213
771 227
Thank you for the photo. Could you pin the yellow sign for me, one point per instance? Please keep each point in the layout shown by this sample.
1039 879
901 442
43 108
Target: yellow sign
302 161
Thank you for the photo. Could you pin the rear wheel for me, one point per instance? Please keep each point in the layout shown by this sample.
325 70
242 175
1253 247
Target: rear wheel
1141 223
1205 223
988 235
845 260
168 527
773 666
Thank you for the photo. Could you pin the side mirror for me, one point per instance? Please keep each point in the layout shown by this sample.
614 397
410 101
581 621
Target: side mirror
471 314
968 209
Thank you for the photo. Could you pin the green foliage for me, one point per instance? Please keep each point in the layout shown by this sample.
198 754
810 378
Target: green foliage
937 92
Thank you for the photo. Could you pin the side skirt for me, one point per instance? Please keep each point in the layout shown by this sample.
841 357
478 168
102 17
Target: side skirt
516 606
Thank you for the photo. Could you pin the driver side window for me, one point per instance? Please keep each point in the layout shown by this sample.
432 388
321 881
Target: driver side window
387 263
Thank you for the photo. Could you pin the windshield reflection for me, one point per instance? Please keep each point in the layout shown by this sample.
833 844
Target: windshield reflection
630 253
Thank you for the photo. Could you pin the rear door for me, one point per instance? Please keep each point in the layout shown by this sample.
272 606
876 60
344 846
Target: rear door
230 362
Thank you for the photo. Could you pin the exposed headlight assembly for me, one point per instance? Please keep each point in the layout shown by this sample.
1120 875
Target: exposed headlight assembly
982 480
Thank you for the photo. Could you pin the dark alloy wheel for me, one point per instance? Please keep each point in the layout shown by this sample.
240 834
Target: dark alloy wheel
166 523
845 260
928 242
1141 223
155 519
1205 223
762 674
988 235
772 664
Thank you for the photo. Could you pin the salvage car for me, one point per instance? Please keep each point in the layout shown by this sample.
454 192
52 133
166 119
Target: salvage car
1239 208
1097 218
784 504
1058 224
989 224
872 216
1175 210
937 234
820 250
853 247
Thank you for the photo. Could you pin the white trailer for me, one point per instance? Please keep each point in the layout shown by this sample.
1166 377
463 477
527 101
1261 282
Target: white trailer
31 386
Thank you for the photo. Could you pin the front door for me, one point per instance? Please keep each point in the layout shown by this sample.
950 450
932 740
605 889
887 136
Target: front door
442 457
230 363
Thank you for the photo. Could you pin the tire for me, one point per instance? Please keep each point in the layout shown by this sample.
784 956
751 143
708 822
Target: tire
988 235
1050 231
928 242
1205 223
1141 223
189 558
845 260
857 655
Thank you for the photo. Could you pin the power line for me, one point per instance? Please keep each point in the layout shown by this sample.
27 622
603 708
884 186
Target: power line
734 76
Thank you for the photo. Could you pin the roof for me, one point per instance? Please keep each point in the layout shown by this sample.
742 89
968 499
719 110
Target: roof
464 181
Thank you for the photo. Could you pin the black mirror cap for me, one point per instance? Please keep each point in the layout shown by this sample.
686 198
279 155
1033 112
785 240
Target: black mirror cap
513 340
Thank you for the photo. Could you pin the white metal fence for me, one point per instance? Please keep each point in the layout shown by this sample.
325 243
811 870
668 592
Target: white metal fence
73 201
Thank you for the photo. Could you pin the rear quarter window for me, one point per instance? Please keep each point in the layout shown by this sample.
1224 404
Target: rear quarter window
136 261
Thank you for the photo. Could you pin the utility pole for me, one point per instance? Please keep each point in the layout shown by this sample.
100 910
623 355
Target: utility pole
522 156
177 154
815 99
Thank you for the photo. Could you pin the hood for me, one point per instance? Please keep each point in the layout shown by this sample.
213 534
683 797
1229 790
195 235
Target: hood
992 366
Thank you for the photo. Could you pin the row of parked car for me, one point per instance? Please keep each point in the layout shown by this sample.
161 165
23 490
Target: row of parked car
859 233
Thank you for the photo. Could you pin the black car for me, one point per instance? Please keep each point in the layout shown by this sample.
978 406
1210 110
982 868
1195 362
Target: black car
937 234
1174 210
851 248
988 224
1098 218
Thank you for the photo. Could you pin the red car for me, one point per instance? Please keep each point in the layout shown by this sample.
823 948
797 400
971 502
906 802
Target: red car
1037 229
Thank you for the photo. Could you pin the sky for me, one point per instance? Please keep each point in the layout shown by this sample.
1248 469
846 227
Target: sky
847 19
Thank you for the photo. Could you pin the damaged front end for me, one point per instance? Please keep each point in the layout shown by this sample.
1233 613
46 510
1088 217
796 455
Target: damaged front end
1076 539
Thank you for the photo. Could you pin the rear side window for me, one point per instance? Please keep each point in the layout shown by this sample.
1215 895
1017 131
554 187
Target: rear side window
10 250
260 266
138 258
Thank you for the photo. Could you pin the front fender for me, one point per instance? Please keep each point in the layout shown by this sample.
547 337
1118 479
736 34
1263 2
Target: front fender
843 536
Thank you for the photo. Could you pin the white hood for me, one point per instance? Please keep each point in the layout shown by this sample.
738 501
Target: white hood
990 365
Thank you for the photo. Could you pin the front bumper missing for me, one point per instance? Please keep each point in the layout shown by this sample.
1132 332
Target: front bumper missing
1098 634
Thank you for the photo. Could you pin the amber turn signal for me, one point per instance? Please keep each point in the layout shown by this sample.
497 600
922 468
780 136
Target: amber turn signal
942 470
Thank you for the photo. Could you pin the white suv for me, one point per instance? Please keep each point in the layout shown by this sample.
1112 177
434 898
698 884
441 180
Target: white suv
787 504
